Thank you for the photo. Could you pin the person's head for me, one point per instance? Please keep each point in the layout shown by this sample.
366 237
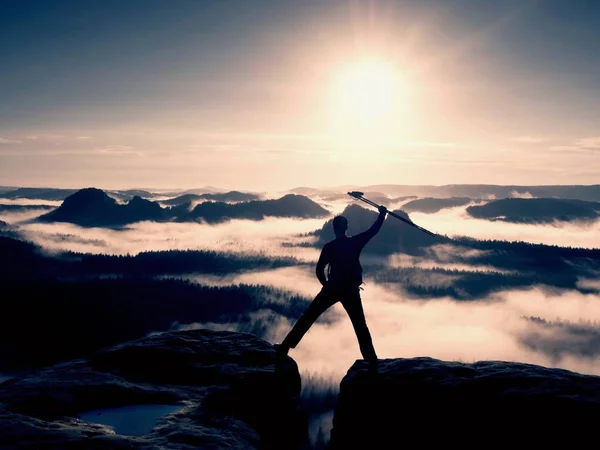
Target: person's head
340 225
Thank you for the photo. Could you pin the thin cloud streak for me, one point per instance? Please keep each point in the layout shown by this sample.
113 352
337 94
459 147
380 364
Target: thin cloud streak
592 143
4 141
528 139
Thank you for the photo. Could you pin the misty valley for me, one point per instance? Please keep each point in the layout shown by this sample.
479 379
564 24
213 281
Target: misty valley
84 270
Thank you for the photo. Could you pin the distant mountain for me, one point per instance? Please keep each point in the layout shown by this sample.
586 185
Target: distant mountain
395 236
4 189
476 191
130 193
432 205
308 191
232 196
536 210
23 208
377 197
182 200
196 191
91 207
403 198
139 209
290 205
39 193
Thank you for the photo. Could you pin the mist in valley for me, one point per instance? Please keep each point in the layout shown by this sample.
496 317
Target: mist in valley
455 298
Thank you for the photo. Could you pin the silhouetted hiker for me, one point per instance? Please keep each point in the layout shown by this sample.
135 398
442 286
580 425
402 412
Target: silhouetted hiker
342 284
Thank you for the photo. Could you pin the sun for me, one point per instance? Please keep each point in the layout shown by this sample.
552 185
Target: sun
367 89
369 105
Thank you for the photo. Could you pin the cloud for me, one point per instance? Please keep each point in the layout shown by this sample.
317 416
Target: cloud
83 138
589 283
491 329
29 201
528 139
116 150
19 217
589 143
455 222
583 144
433 144
45 137
269 237
9 142
517 194
564 147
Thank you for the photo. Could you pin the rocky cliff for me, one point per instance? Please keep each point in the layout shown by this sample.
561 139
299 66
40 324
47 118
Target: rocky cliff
427 403
223 386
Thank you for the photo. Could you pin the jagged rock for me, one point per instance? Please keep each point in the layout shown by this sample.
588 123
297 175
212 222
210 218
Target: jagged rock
427 403
92 207
229 392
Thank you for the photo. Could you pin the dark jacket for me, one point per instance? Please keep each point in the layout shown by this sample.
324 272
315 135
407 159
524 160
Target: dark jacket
342 256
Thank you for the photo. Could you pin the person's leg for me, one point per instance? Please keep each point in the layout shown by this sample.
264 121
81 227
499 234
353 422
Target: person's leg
353 306
322 301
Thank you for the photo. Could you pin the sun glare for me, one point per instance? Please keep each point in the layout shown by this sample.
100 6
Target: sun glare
370 103
368 89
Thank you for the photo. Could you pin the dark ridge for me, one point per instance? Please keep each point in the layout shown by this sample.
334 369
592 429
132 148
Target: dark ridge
38 193
536 210
91 207
232 196
290 205
432 205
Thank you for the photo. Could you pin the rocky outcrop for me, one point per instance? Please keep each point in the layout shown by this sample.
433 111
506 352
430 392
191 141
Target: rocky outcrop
226 384
536 210
427 403
290 205
91 207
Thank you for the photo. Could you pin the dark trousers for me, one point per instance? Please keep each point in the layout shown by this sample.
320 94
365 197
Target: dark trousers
350 299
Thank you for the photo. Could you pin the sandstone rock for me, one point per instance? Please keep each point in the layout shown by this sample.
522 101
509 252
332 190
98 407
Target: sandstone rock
427 403
226 384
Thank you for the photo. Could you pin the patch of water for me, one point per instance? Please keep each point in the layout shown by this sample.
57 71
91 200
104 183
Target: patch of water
133 420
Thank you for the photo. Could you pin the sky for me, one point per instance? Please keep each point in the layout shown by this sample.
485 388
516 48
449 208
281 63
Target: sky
275 94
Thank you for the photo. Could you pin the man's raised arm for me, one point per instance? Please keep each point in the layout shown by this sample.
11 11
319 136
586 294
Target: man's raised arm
366 236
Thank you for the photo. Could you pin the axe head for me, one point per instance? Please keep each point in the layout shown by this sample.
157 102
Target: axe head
356 194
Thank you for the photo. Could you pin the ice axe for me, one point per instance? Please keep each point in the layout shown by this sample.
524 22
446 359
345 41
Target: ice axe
359 196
